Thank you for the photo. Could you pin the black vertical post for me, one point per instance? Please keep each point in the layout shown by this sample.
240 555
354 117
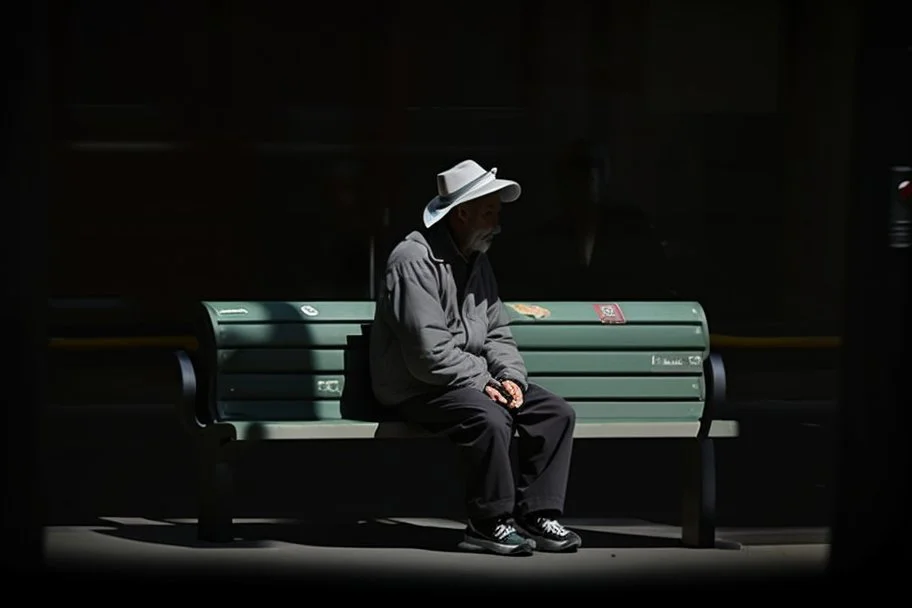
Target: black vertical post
872 473
23 190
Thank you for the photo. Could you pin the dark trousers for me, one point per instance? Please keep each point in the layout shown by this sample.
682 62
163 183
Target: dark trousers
483 430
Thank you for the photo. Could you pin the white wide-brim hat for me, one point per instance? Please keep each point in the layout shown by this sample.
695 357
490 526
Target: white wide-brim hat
465 182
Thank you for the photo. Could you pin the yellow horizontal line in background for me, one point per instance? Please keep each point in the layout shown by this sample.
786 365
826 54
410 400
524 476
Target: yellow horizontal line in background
184 342
190 343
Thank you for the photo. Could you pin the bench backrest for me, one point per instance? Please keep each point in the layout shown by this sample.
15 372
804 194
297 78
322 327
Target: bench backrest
308 360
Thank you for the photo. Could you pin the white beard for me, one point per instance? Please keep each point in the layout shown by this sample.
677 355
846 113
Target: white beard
481 241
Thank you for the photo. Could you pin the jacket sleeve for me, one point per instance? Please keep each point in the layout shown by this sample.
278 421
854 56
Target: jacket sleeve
417 320
500 348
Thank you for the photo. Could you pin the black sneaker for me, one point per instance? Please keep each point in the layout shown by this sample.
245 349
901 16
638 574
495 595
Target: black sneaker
497 536
549 535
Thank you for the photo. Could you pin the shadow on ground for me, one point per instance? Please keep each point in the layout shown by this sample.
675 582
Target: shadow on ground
381 534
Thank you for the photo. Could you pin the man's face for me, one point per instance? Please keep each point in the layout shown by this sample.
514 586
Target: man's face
479 222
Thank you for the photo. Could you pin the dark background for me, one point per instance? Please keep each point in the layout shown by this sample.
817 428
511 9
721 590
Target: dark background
200 148
197 151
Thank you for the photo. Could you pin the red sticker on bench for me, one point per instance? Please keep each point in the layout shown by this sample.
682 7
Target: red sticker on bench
610 313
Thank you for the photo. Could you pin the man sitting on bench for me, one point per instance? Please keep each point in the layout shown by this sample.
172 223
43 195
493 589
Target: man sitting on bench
442 354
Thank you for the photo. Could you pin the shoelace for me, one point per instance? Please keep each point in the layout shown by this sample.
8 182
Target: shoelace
552 526
502 531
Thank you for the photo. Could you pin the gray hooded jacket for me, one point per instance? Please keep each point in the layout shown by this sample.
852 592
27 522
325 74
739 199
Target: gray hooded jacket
439 322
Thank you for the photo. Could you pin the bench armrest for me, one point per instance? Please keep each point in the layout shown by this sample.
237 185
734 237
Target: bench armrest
186 402
714 371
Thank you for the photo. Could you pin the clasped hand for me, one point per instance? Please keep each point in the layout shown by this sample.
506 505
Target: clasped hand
511 388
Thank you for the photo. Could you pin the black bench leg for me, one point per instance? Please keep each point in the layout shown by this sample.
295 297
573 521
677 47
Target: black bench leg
216 520
699 514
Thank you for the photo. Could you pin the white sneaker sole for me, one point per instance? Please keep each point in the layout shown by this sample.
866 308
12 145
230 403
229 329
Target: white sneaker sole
471 543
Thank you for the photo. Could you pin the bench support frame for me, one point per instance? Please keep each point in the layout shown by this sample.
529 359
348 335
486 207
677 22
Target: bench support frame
216 486
698 517
218 451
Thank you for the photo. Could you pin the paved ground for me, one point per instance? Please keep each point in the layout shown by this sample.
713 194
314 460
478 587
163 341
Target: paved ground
425 549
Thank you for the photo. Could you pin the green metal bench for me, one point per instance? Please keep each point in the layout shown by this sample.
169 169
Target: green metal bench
299 371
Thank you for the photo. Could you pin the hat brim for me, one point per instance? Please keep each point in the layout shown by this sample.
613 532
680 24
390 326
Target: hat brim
509 190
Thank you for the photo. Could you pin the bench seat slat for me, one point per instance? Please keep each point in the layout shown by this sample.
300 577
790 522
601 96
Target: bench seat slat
613 363
609 337
281 360
327 386
333 410
634 312
528 337
269 312
239 311
235 335
629 429
303 360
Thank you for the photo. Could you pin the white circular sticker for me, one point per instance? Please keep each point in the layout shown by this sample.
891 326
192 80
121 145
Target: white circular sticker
310 311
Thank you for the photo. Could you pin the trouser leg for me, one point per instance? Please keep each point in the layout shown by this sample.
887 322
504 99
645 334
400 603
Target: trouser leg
482 430
545 423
